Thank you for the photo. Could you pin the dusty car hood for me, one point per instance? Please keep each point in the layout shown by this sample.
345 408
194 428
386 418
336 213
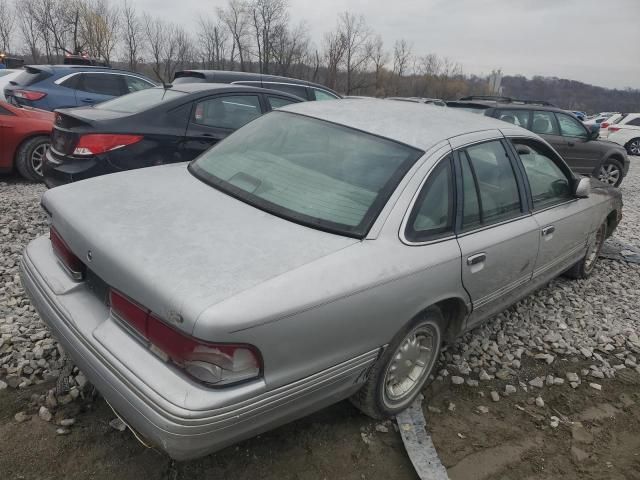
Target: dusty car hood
175 244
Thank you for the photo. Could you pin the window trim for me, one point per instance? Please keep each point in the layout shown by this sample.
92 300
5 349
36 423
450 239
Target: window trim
414 200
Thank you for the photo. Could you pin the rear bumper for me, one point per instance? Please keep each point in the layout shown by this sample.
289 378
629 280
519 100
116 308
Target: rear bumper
82 324
71 170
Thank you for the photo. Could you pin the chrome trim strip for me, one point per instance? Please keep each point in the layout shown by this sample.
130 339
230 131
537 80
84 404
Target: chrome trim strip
66 77
557 261
501 291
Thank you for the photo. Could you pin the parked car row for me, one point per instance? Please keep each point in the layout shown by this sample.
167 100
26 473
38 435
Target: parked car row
578 145
323 251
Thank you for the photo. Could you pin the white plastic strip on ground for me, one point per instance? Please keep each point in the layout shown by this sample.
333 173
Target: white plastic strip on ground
418 443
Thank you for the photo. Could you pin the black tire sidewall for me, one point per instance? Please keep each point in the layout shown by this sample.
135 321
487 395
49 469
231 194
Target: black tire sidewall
628 145
23 158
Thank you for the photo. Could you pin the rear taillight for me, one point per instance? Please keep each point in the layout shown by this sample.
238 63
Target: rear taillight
72 264
29 94
214 364
613 129
97 143
604 125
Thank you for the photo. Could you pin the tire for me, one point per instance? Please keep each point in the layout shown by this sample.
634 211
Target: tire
382 394
633 146
30 158
610 172
585 266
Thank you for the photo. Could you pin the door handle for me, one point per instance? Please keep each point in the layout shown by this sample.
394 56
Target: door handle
476 259
548 230
571 144
88 100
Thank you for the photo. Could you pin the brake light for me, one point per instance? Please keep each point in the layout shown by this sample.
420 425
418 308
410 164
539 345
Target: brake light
97 143
29 94
72 264
214 364
613 129
604 125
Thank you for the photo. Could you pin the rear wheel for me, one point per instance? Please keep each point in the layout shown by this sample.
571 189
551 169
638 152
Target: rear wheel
633 147
584 267
610 172
30 158
400 373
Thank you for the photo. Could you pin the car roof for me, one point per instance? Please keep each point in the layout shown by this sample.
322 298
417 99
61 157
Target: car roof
79 68
417 125
225 87
236 76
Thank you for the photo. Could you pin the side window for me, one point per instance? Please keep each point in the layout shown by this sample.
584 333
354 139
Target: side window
571 127
635 122
277 102
101 83
544 123
230 112
321 95
135 84
297 90
72 82
516 117
471 201
548 182
495 183
433 213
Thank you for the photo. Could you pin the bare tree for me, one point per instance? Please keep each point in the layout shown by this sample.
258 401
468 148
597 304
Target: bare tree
213 41
267 18
59 22
335 45
132 32
7 25
99 28
289 48
28 26
236 19
356 33
379 57
156 38
401 57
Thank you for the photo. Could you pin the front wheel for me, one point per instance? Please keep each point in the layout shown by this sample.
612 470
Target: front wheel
30 158
585 266
633 147
400 373
610 172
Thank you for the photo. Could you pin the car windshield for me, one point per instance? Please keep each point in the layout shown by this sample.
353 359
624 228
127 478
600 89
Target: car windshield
141 100
310 171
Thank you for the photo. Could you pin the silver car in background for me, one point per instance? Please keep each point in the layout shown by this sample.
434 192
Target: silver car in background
323 251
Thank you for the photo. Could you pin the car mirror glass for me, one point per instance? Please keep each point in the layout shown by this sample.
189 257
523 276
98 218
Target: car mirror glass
523 150
583 188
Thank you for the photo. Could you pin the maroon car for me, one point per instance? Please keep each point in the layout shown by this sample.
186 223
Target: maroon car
24 139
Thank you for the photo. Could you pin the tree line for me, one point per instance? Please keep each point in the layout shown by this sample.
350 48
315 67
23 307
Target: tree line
260 36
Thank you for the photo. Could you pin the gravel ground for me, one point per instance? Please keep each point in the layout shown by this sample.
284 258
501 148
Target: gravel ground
571 339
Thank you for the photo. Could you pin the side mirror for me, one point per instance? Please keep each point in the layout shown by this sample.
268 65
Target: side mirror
594 133
523 149
583 188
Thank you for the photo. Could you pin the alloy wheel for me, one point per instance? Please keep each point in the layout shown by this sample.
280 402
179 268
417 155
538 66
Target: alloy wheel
609 174
634 147
411 363
37 158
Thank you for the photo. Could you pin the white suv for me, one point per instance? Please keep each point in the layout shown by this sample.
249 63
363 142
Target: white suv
626 132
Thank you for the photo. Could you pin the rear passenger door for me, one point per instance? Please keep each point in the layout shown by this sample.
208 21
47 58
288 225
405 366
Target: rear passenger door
562 219
215 118
93 88
497 235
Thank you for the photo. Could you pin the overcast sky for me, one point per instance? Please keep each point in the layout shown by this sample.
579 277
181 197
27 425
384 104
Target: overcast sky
594 41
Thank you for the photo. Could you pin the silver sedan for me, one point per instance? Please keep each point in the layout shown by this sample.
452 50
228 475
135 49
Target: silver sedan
323 251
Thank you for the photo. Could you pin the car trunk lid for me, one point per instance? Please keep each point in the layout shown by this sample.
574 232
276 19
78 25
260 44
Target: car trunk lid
176 245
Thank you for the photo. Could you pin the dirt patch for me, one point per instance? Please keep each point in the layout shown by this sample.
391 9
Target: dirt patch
505 443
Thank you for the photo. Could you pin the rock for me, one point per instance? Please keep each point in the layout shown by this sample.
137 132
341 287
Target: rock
120 426
537 382
451 407
574 384
457 380
67 422
504 374
484 376
472 383
482 409
555 422
21 417
45 414
549 380
3 385
382 428
63 431
587 352
495 396
509 389
81 380
595 386
539 402
573 377
558 381
433 409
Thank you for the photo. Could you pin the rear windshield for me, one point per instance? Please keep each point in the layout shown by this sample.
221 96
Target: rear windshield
141 100
30 76
189 77
309 171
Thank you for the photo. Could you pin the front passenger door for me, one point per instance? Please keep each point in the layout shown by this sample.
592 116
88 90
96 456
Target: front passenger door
215 118
498 238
